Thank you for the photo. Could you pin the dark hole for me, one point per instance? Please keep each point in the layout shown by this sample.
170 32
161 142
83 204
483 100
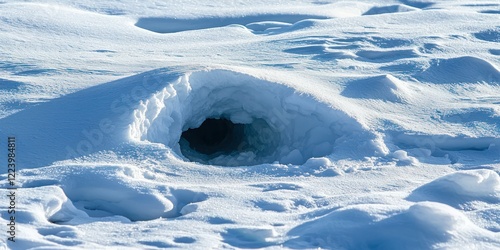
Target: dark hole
215 136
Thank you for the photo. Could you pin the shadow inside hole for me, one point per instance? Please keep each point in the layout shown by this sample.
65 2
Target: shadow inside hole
215 136
221 141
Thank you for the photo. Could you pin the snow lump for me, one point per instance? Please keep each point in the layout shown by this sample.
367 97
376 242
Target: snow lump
227 118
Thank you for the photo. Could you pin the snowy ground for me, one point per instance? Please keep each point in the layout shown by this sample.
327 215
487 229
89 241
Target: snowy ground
359 125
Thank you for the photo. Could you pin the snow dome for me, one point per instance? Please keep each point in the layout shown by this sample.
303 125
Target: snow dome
227 118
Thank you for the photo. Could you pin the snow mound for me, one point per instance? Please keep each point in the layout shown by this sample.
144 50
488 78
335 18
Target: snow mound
418 3
53 208
460 187
422 226
103 191
384 87
35 215
377 10
403 158
258 23
466 69
227 118
488 35
382 56
250 237
80 123
439 143
114 191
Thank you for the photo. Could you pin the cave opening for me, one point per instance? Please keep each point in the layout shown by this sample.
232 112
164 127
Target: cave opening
215 136
223 140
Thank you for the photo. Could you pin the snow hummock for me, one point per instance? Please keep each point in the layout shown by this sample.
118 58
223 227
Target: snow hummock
279 123
461 69
458 188
365 226
386 87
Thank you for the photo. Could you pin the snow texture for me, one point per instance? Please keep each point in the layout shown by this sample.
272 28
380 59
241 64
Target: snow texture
282 124
341 124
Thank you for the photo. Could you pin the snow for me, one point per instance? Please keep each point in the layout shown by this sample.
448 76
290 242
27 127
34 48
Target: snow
466 69
346 125
461 187
421 226
280 123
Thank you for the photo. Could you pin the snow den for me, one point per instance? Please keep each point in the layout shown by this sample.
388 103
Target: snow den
225 118
218 137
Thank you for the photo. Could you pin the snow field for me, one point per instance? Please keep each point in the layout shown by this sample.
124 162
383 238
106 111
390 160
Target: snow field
83 196
356 125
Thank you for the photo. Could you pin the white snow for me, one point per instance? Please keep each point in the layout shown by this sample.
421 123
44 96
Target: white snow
280 124
339 124
421 226
461 187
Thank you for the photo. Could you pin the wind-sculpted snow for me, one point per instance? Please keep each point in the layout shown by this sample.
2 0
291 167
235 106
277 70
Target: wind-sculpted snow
281 124
81 123
389 9
459 188
256 23
421 226
387 88
250 124
111 191
465 69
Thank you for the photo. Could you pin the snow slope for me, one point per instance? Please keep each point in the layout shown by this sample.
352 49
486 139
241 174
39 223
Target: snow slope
348 124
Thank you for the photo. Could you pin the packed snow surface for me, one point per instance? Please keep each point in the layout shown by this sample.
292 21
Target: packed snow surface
259 124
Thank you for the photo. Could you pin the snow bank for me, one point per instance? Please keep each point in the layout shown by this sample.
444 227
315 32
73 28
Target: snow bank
403 158
377 10
250 237
255 22
422 226
54 208
385 87
123 192
278 123
104 191
80 123
458 188
466 69
38 212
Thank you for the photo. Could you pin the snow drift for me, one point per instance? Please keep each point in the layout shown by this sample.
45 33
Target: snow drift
373 226
266 121
349 124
